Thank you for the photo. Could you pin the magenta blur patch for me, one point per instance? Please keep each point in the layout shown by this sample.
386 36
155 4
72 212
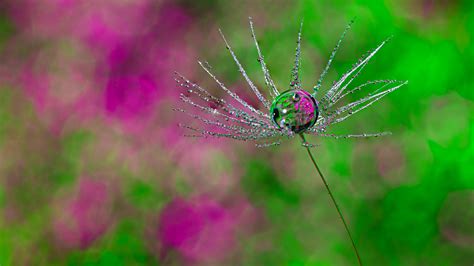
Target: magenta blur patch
84 217
199 229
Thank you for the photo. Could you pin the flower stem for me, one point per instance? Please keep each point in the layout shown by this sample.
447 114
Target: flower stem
332 198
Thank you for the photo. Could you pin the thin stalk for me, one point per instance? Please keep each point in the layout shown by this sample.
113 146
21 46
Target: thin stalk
333 199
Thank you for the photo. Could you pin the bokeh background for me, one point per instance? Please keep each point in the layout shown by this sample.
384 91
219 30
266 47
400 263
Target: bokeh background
95 171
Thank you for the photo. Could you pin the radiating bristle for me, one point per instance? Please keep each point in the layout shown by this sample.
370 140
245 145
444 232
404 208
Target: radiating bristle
386 82
244 74
336 88
363 135
353 107
237 116
233 135
309 145
194 136
217 134
331 58
233 94
222 104
268 80
231 128
295 82
269 144
184 82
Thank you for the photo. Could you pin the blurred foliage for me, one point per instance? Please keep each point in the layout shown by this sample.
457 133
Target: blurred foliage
408 197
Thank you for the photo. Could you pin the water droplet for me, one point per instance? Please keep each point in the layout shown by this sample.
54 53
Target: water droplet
295 116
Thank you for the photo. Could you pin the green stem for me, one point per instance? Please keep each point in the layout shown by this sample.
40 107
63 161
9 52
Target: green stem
333 199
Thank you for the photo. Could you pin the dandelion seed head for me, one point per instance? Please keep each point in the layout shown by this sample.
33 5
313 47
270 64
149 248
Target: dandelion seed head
295 110
286 114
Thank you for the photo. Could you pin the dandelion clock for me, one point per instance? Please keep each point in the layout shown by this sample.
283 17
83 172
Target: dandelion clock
289 112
